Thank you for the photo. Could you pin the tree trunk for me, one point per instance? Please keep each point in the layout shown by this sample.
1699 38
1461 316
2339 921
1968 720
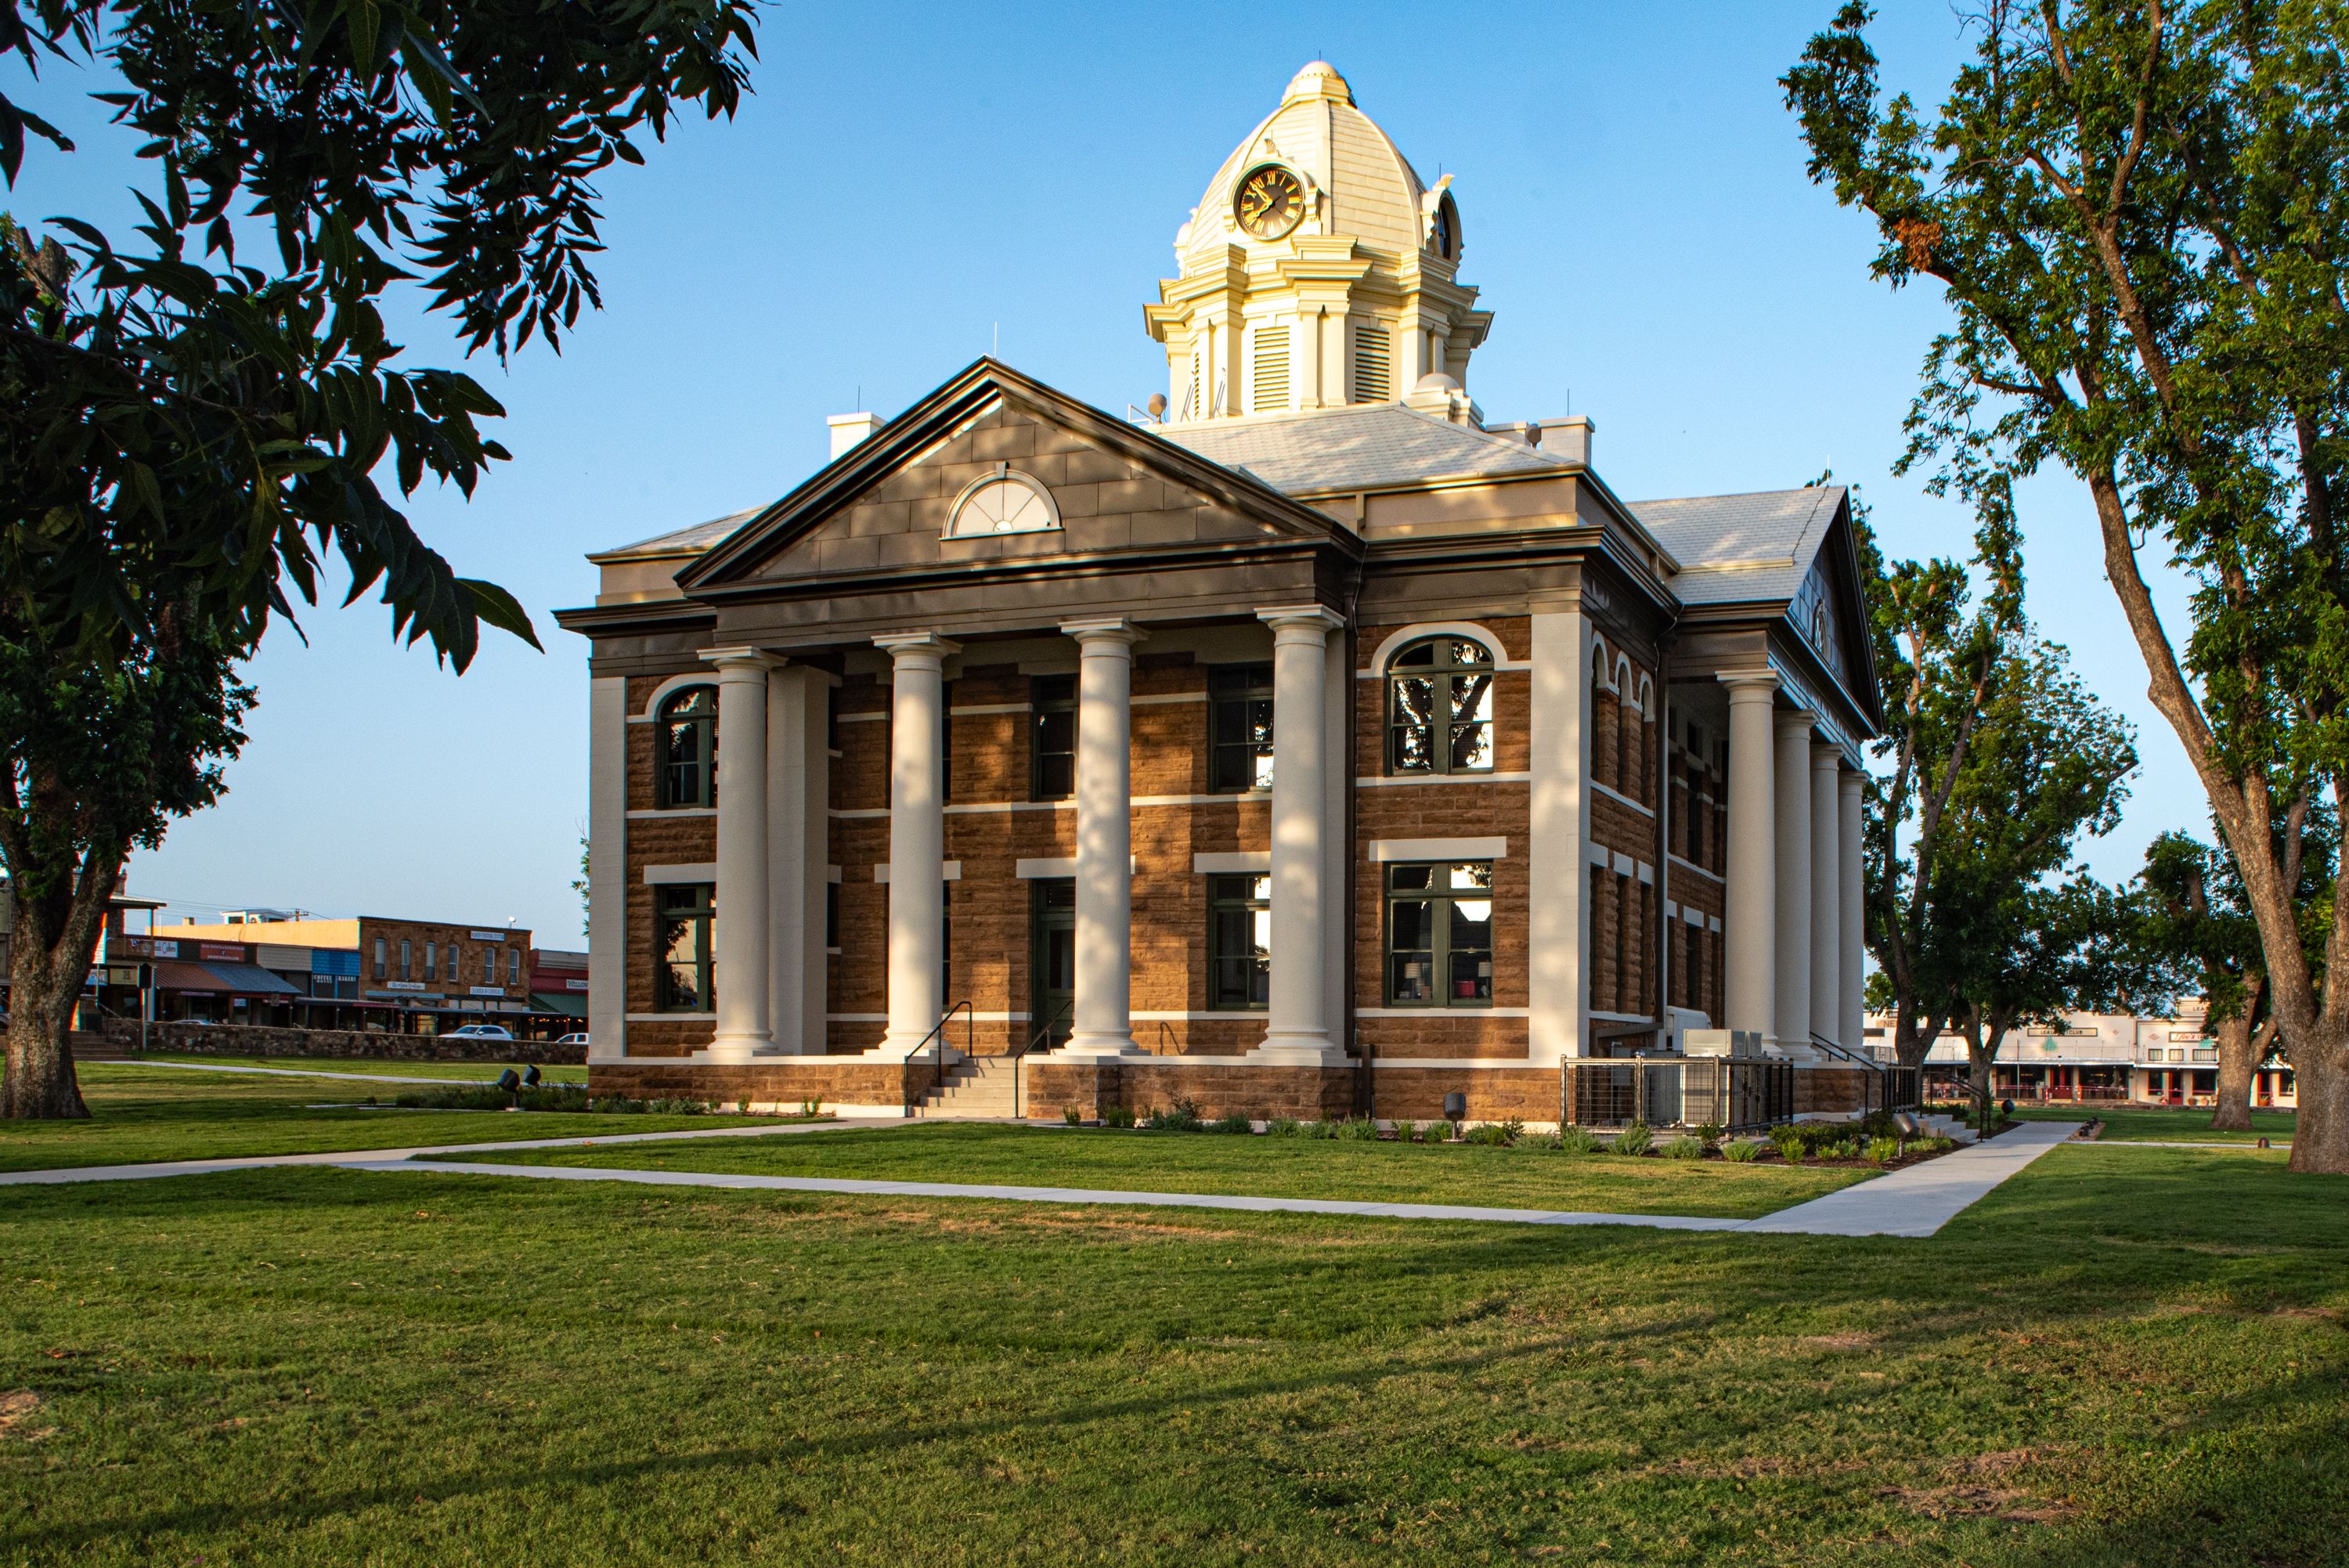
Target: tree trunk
2239 1059
40 1085
2320 1133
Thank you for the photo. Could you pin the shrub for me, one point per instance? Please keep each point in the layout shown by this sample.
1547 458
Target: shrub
1073 1116
1362 1131
1883 1151
1515 1126
1320 1129
1284 1127
1710 1132
1234 1122
1117 1116
1184 1118
1933 1145
1741 1149
1789 1144
1634 1138
1576 1140
1404 1130
1492 1135
812 1106
1687 1146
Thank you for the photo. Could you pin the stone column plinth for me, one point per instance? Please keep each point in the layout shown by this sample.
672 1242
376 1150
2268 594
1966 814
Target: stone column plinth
1826 898
741 964
1749 959
1103 1024
917 838
1297 1030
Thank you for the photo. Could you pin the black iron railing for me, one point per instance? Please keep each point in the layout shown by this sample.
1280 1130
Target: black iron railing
1733 1093
935 1042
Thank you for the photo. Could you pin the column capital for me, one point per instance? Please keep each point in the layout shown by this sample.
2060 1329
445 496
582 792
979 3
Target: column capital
1826 756
921 647
1311 621
1105 629
1749 685
741 661
1852 781
1793 725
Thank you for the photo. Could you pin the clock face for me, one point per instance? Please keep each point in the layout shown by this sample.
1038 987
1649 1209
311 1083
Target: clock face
1270 203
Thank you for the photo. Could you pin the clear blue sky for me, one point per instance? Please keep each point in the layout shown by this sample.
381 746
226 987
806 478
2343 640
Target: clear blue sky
908 182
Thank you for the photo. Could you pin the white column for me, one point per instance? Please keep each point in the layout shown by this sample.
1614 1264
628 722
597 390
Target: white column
917 838
1827 899
1297 1029
1852 974
1104 1021
1791 786
739 974
1749 939
607 868
1558 958
799 792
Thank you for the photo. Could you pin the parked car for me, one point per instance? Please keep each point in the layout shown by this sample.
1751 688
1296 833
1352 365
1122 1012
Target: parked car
579 1038
482 1032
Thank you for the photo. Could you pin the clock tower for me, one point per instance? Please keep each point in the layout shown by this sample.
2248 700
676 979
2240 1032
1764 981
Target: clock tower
1318 271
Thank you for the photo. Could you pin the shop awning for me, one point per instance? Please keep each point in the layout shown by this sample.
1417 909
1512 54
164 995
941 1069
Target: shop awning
570 1006
249 980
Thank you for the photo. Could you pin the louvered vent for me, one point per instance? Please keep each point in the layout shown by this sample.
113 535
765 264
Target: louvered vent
1373 382
1269 372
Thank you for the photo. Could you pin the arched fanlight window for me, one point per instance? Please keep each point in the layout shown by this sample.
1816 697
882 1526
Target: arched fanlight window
1005 501
688 747
1440 708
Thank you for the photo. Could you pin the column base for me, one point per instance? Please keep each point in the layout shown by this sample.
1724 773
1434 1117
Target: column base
1299 1051
741 1048
1097 1045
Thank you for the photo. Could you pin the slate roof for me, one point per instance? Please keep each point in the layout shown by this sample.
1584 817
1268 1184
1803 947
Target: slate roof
1371 446
1759 545
698 538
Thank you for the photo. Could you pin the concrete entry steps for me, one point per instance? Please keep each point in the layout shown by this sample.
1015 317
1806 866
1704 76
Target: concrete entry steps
978 1089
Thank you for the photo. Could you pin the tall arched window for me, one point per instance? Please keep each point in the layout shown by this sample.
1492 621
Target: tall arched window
1440 708
688 735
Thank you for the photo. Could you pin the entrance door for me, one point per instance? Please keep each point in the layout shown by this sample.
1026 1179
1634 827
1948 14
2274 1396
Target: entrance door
1052 988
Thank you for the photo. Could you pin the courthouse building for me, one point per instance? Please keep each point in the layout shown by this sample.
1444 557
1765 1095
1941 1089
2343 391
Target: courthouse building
1315 746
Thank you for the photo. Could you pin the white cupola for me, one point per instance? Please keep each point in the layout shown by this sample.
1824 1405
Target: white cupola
1317 270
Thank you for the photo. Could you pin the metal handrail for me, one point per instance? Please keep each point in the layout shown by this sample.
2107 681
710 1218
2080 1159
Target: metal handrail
937 1033
1167 1038
1015 1055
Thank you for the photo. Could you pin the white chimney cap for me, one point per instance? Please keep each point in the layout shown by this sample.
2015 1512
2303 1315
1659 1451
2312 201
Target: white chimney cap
847 429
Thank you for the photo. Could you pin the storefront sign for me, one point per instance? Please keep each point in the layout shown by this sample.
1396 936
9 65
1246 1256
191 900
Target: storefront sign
489 935
582 985
487 990
227 952
403 986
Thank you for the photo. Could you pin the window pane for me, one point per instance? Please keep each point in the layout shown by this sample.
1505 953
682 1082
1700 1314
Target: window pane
1259 888
1408 976
1414 700
1415 750
1411 925
1472 977
1471 875
680 964
1472 924
1467 653
1057 777
1409 879
1424 653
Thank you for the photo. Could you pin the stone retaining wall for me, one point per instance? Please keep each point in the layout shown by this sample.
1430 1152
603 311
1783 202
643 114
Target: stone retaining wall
257 1040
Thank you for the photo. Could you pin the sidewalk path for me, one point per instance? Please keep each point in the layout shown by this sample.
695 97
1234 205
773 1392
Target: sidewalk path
2282 1145
298 1072
368 1159
1921 1200
1916 1202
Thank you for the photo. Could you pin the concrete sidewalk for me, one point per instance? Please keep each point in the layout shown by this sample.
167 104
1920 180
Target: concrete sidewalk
369 1158
1921 1200
315 1073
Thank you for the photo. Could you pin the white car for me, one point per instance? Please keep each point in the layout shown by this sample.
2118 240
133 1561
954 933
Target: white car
577 1039
482 1032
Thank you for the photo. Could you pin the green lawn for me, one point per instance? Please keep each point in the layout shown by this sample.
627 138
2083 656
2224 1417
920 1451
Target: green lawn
2120 1358
485 1072
142 1113
2125 1124
1519 1178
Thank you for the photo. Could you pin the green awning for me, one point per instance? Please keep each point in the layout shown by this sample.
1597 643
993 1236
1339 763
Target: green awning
570 1006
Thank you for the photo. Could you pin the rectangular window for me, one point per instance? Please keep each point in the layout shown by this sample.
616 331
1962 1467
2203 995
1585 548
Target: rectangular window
1052 739
1240 728
1268 371
514 966
407 954
1239 943
431 965
681 978
378 959
1439 935
1374 354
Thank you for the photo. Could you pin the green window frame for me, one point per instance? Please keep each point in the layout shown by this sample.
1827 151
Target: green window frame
1239 943
687 930
1240 728
1052 739
1440 708
1438 925
688 731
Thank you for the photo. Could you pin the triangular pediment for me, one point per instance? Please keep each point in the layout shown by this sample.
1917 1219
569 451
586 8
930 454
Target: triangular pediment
1107 491
1828 611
